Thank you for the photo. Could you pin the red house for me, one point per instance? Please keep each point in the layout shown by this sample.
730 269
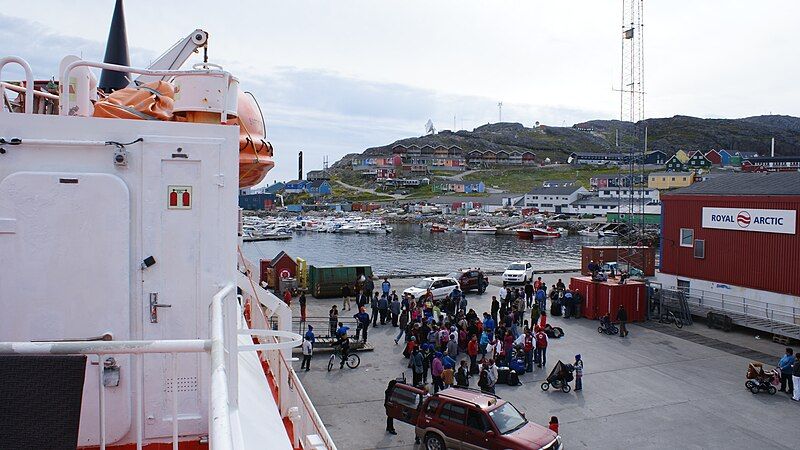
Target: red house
714 156
281 266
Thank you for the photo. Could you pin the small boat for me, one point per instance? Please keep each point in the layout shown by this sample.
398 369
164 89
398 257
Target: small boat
480 229
524 233
543 232
438 228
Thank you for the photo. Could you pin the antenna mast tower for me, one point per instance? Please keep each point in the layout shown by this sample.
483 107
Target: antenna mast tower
631 90
631 201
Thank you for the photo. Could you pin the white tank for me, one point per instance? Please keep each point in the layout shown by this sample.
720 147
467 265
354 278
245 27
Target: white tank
82 85
210 93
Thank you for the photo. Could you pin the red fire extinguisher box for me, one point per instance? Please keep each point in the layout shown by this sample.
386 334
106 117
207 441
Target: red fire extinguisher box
601 298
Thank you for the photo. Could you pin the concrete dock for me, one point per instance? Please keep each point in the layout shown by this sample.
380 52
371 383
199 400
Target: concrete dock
656 389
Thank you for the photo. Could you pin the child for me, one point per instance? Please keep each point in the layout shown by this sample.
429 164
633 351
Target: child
448 375
578 372
554 424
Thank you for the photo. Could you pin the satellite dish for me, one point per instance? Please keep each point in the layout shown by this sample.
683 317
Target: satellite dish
429 128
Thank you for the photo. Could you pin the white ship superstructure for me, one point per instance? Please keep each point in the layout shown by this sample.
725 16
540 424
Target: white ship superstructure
119 244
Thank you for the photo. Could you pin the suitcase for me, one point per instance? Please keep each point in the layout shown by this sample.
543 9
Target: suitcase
518 365
513 378
502 375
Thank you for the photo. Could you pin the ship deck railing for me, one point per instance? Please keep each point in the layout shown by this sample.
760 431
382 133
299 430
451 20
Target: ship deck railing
222 347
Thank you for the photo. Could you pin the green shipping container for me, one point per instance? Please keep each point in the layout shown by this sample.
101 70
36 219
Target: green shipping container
328 281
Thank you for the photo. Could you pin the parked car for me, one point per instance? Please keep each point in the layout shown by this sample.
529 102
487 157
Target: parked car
459 418
518 272
441 287
470 279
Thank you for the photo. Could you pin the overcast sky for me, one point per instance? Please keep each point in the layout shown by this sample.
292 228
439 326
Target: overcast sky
336 77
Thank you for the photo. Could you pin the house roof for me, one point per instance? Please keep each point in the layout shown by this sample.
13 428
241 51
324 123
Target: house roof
296 182
559 182
556 190
759 159
278 257
771 183
318 183
745 154
670 174
599 155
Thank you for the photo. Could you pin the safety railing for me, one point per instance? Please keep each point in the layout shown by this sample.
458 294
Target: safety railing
745 306
292 392
220 435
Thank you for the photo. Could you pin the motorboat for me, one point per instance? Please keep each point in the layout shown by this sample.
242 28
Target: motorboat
479 229
438 228
544 232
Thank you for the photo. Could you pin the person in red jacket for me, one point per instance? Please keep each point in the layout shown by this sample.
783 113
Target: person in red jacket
553 424
287 297
472 351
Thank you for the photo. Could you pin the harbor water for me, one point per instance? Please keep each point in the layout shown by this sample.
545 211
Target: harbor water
410 249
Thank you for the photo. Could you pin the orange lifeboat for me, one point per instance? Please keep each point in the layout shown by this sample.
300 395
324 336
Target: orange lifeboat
255 153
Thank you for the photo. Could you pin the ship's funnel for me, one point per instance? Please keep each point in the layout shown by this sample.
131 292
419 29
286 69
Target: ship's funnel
116 52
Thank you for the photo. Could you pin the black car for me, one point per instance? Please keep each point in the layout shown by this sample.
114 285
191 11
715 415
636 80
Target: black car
471 279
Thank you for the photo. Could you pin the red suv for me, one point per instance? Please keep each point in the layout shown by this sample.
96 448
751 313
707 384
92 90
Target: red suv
470 279
461 418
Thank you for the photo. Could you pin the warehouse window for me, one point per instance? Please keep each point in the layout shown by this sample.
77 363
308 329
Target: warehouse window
699 249
687 237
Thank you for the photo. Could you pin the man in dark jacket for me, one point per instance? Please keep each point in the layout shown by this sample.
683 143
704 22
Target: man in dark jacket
346 297
374 305
383 308
389 420
622 317
528 294
363 323
495 308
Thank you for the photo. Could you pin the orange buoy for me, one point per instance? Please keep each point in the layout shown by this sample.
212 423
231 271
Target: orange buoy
255 153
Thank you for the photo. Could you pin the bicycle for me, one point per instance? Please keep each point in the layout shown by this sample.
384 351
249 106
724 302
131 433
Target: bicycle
670 317
352 359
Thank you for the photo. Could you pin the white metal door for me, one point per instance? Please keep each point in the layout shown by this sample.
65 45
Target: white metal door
171 235
55 284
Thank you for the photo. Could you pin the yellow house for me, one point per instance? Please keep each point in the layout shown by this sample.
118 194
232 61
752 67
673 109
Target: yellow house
669 180
682 156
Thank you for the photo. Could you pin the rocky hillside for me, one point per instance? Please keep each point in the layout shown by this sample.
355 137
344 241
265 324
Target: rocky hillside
666 134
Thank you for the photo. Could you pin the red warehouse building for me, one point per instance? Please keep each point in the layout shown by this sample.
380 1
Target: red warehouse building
735 236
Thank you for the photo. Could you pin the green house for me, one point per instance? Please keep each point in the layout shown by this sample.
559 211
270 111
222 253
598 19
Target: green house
698 161
674 165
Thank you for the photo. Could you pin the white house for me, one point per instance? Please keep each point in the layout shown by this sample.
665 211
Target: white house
593 204
553 199
626 192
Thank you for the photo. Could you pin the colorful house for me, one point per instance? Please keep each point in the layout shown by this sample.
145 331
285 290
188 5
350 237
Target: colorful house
295 187
318 187
725 157
465 187
714 156
682 156
655 157
674 164
698 161
669 180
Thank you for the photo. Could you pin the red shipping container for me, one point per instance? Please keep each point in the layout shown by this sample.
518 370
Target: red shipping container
588 290
601 298
632 295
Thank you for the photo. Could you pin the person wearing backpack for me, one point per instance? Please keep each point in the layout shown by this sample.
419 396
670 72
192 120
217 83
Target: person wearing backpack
541 348
529 346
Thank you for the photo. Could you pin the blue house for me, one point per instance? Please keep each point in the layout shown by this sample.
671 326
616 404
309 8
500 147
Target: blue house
655 157
256 202
275 188
295 186
725 157
318 187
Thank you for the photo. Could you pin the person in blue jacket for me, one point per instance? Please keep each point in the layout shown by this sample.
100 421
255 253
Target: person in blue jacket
363 322
785 365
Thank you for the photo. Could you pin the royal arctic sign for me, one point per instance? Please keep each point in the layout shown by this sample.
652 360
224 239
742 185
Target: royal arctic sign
763 220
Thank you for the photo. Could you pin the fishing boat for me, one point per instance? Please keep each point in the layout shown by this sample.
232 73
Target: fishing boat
129 315
544 232
438 228
524 233
479 229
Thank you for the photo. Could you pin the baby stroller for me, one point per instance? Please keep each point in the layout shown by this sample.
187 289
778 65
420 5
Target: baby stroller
559 377
606 326
758 380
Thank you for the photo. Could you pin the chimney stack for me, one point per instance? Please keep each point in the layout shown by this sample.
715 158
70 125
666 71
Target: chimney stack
300 165
116 52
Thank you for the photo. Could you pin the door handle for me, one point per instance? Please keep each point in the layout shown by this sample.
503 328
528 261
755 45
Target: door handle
154 305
